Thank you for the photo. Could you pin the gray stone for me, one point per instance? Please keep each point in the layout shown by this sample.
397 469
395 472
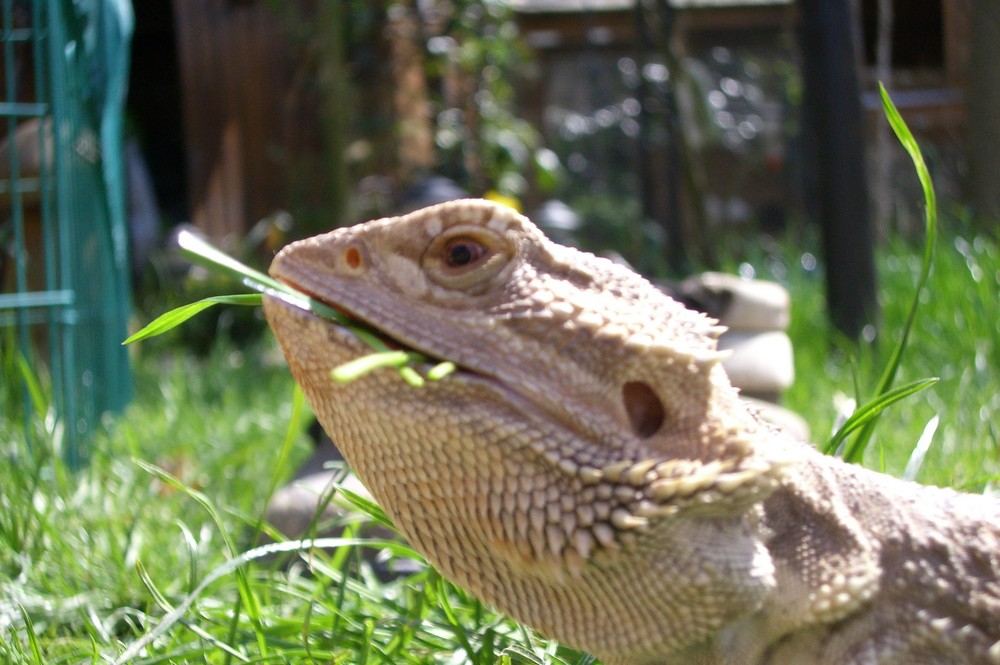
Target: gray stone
295 507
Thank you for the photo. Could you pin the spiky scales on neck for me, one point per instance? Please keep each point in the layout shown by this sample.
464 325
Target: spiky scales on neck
588 469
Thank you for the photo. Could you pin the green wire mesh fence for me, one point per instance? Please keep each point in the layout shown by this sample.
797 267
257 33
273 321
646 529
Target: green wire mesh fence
64 288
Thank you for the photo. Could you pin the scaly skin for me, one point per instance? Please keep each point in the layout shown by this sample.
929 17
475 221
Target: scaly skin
590 471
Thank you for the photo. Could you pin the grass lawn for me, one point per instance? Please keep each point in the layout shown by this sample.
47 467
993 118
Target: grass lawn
92 561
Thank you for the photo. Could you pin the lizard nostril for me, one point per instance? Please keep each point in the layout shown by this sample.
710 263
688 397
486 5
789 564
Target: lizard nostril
645 410
352 257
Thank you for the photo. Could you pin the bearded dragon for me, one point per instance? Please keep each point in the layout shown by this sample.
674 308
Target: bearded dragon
589 470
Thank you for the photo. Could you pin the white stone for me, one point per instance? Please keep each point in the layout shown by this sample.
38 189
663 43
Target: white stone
760 364
755 305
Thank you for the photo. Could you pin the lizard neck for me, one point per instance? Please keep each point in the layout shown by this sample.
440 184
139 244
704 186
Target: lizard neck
626 605
853 548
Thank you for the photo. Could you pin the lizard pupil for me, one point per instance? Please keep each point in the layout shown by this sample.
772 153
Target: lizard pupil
464 252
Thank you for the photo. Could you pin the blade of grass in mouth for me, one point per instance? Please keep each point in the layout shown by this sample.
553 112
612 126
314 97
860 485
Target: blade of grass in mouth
201 252
197 250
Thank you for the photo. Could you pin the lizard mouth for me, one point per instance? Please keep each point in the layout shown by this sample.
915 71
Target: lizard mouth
423 359
361 332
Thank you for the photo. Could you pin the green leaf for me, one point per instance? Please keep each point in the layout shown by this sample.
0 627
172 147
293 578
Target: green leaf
175 317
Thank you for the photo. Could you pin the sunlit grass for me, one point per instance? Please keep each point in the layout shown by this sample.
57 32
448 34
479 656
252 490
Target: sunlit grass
955 337
90 562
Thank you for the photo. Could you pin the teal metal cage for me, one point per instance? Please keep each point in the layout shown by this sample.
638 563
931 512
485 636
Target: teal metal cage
64 289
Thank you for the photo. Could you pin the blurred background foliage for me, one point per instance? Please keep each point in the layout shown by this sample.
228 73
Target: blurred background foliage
685 120
672 135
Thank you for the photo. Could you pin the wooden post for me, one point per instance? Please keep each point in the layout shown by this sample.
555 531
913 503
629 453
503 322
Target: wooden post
984 114
660 146
335 109
232 59
833 116
414 135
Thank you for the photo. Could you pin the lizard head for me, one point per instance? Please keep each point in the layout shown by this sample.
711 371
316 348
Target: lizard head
588 426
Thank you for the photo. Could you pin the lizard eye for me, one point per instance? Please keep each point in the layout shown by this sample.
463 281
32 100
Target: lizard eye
466 258
463 251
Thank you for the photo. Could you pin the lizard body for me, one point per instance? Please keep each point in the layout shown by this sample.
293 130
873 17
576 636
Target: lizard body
590 471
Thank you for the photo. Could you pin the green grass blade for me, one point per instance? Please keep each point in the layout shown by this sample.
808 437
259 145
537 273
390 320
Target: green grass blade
192 552
203 253
930 231
521 654
33 384
358 367
175 317
919 453
866 414
235 564
291 432
246 594
168 607
979 482
411 376
441 370
151 587
199 251
366 506
449 614
29 629
857 448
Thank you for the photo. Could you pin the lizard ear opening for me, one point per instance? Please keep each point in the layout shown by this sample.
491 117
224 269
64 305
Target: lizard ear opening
644 408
